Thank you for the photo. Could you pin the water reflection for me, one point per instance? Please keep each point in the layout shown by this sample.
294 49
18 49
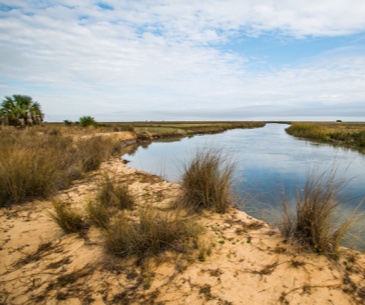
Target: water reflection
267 160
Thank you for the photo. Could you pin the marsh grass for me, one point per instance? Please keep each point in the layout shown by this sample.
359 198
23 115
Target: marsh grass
206 183
314 224
151 233
347 134
93 151
69 220
37 162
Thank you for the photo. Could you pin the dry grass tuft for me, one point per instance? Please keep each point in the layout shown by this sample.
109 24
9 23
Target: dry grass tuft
68 220
98 214
114 194
37 162
152 233
206 183
314 224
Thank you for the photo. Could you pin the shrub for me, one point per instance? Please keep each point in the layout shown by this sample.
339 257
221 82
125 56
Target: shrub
68 220
20 110
206 183
153 233
86 121
314 224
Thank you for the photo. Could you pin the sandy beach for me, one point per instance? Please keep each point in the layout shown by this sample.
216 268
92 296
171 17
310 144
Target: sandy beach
248 262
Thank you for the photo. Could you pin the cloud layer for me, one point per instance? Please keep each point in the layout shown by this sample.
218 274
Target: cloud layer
150 57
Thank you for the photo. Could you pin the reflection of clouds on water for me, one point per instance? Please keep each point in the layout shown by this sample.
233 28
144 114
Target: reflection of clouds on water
267 162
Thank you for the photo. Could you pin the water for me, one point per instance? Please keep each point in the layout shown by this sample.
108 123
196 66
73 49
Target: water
267 162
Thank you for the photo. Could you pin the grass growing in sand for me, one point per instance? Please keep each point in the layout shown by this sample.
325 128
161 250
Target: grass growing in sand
206 183
69 220
110 195
315 224
151 233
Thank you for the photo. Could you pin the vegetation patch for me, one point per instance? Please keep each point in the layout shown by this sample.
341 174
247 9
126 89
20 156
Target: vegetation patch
346 134
206 183
69 220
151 233
114 194
314 224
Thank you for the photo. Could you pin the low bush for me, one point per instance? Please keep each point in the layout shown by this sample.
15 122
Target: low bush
86 121
67 219
206 183
314 224
152 233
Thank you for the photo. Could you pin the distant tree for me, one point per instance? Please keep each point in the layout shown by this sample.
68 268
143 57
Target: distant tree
20 110
67 122
87 121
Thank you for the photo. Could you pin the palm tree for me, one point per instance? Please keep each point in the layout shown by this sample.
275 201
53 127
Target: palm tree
20 110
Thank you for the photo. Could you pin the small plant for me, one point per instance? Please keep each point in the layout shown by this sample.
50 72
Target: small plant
206 183
111 193
153 233
68 220
314 224
98 214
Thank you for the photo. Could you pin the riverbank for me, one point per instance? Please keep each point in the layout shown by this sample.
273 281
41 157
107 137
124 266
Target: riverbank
247 261
351 135
238 260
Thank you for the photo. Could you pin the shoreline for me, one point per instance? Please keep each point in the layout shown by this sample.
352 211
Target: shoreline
249 262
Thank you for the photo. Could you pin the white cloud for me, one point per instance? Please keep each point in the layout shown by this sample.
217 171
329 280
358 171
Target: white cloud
168 54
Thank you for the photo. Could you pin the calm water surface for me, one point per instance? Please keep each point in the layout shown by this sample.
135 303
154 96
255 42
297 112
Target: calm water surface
267 162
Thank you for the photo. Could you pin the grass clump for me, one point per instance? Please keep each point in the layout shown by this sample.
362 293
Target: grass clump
151 233
67 219
315 224
37 162
110 195
114 194
98 214
206 183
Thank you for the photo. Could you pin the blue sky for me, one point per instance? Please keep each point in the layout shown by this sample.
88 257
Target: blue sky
125 60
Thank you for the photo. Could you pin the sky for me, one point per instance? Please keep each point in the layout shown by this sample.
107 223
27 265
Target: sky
135 60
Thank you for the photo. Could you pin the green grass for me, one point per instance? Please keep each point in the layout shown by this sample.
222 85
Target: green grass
314 224
346 134
152 233
206 183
